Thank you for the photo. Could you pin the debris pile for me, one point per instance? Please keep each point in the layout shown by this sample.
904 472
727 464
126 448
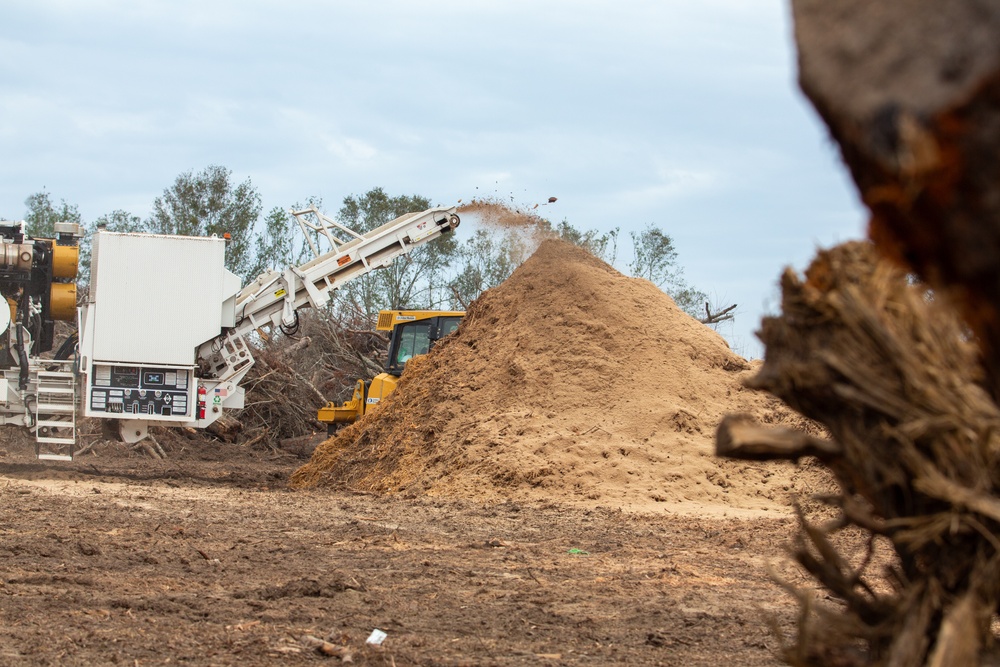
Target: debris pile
495 213
567 382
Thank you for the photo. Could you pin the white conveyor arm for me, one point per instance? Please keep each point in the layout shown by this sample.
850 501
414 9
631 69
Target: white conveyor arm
273 298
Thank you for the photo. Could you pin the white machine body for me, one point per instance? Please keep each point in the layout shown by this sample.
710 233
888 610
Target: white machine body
153 300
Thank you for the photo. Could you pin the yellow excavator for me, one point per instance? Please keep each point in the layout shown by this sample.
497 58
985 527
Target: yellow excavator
414 332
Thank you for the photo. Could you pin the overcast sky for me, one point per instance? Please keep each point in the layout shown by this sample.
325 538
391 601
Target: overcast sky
677 113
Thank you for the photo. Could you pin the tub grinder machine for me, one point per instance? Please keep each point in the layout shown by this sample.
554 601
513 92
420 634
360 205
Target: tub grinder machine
160 335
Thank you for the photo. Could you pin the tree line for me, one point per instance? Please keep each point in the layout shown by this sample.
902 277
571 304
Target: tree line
447 274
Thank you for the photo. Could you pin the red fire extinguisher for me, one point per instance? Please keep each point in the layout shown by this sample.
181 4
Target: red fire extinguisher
202 397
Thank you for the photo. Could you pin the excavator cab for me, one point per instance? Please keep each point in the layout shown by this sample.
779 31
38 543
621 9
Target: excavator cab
414 332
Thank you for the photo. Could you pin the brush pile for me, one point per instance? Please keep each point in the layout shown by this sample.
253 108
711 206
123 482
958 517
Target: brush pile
293 376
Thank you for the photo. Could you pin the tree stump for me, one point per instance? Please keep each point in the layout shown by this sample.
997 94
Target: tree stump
915 449
907 387
911 92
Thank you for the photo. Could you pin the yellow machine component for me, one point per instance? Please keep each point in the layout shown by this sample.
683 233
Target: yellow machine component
65 261
348 412
390 319
62 301
382 385
414 332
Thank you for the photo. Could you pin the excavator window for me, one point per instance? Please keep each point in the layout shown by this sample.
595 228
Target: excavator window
415 338
448 325
411 340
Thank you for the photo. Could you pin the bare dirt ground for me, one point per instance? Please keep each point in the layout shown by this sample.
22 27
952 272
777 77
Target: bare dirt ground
119 559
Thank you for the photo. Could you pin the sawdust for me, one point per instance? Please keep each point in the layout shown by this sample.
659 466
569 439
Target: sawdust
518 229
573 383
496 213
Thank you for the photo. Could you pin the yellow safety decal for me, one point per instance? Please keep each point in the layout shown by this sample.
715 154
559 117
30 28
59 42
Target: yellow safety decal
280 293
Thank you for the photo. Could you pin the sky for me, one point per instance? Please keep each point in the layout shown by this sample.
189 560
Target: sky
682 115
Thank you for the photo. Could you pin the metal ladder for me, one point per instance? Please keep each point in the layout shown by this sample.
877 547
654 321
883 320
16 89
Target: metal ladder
55 412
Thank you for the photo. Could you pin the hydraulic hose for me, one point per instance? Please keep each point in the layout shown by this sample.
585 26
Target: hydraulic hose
22 355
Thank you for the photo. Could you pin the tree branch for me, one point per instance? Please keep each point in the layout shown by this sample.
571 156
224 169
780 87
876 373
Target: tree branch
719 316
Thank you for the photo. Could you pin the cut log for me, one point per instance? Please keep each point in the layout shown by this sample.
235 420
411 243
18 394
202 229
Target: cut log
226 427
303 445
740 437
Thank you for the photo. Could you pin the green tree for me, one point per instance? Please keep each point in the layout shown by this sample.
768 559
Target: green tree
209 203
604 246
655 259
274 245
119 221
419 281
42 215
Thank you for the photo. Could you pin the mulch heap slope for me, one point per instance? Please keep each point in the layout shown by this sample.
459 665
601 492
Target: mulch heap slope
570 382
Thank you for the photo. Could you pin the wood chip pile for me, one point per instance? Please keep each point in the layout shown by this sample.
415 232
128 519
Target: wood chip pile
569 382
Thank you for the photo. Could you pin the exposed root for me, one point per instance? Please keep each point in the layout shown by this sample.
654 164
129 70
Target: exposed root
889 371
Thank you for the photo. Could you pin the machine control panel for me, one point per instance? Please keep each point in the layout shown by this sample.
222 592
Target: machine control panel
141 392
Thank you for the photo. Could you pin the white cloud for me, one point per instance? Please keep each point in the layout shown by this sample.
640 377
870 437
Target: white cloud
349 149
17 111
306 130
112 125
673 182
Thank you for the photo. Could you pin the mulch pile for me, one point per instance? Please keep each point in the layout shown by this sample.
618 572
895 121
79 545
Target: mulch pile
571 382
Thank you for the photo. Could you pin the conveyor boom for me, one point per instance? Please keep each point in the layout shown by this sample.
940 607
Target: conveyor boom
273 298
